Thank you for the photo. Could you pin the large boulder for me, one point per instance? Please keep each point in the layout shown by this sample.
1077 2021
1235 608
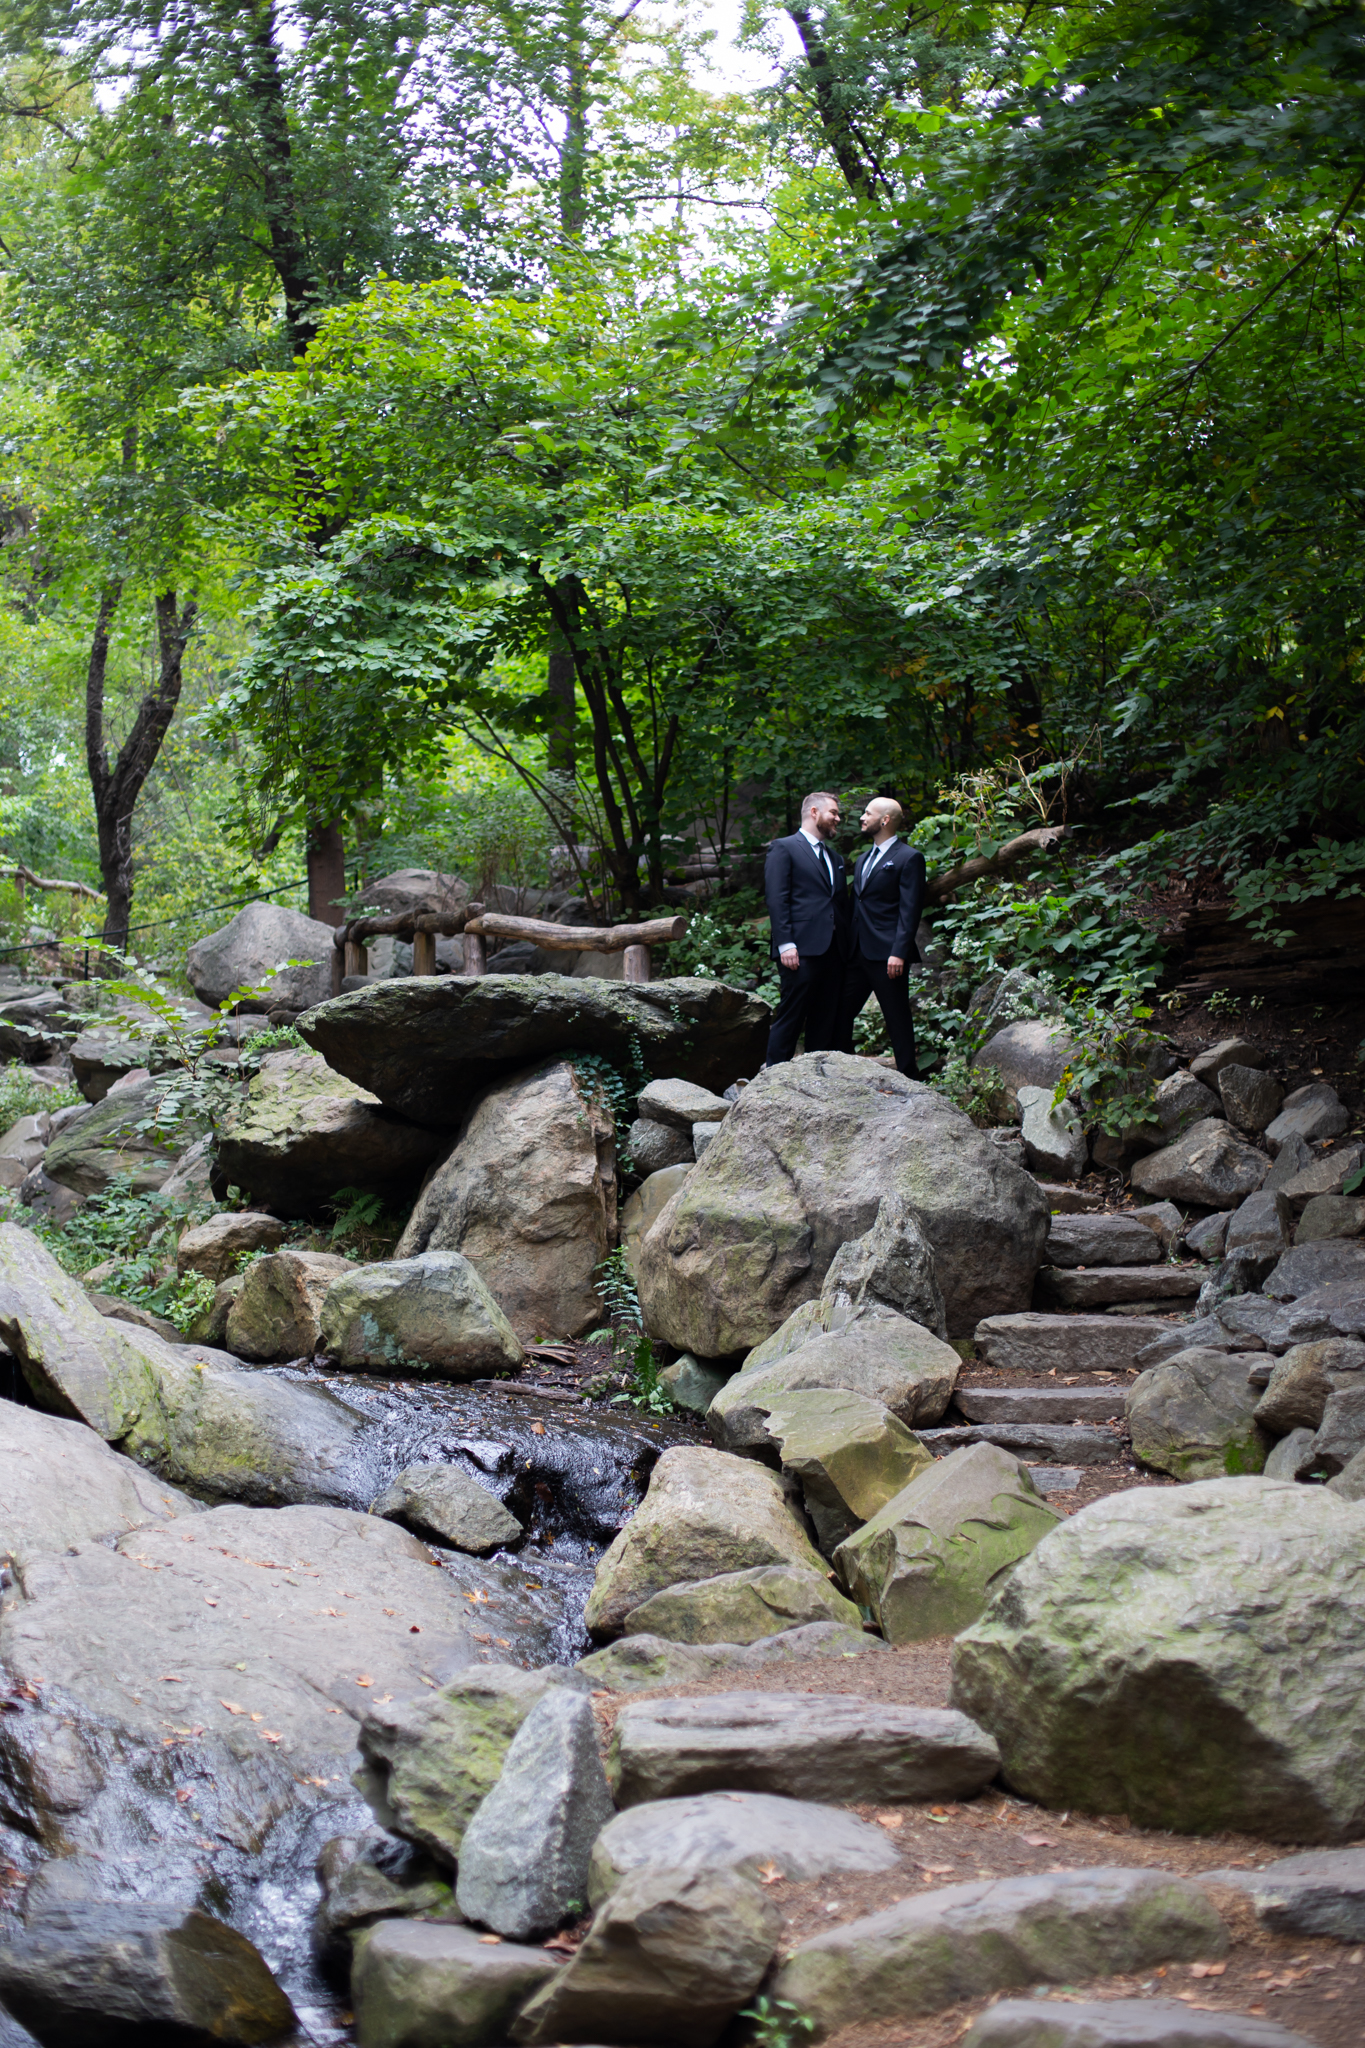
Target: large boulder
800 1167
250 953
218 1247
929 1561
432 1313
64 1486
883 1358
1033 1053
1192 1657
1328 1262
529 1195
301 1133
642 1210
129 1135
742 1607
849 1454
741 1831
1194 1416
193 1416
418 1981
428 1045
705 1513
276 1313
1211 1164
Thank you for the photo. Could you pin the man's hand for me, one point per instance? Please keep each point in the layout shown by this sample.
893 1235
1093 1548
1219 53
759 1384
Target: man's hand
789 956
894 967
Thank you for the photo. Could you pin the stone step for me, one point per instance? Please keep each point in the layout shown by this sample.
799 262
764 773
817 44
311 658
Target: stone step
1101 1241
1097 1286
1035 1342
1056 1478
1040 1404
1046 1443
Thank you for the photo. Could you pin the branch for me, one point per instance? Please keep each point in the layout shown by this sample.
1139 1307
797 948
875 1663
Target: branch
26 876
1041 840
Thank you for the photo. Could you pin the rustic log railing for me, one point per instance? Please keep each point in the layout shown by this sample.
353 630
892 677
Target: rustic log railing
422 928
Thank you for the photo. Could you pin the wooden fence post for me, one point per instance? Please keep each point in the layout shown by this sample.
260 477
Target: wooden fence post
475 954
424 952
637 963
357 958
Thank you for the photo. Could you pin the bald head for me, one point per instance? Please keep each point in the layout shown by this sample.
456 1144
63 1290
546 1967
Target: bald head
882 817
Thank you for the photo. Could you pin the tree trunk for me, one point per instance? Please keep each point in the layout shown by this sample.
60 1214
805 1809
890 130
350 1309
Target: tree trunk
326 872
839 131
116 789
279 200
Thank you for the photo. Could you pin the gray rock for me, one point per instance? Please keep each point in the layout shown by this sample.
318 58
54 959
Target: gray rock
524 1857
1208 1237
1349 1483
1301 1383
1228 1052
1262 1224
652 1148
370 1877
1247 1316
415 1984
114 1976
741 1607
1331 1216
216 1247
670 1958
1122 2023
1164 1221
1052 1405
1316 1176
250 952
931 1559
1251 1100
967 1940
849 1455
49 1198
1337 1310
1292 1456
1308 1267
1051 1479
885 1359
1290 1161
432 1759
442 1502
1054 1136
301 1133
1101 1241
691 1385
1211 1164
1341 1433
431 1313
64 1486
105 1143
1321 1894
277 1310
738 1831
1194 1416
1311 1113
1055 1443
702 1134
649 1661
801 1167
1034 1053
890 1267
643 1209
1182 1100
427 1045
681 1104
1202 1333
856 1749
1191 1656
705 1514
1048 1343
1098 1285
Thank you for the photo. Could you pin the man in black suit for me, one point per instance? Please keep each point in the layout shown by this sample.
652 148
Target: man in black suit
806 885
888 895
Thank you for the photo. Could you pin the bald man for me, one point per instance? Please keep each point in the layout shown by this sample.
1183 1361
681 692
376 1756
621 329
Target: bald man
888 895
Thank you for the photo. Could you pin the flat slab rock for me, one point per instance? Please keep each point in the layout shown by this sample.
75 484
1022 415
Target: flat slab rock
63 1485
966 1940
736 1831
1034 1342
855 1749
1097 1286
1040 1404
1122 2023
1045 1443
648 1660
1101 1241
1322 1893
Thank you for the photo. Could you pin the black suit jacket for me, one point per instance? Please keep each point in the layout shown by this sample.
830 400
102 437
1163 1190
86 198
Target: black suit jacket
886 912
805 913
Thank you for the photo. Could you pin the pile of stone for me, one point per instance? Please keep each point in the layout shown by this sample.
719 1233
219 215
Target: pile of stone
674 1124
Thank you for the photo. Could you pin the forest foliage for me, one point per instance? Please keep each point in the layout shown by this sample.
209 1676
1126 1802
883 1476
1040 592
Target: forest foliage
551 456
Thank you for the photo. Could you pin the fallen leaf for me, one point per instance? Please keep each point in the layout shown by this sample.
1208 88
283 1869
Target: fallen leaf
502 1642
167 1679
232 1709
388 1610
940 1818
258 1717
1040 1841
414 1630
890 1820
1207 1969
491 1940
364 1679
537 1429
270 1735
938 1869
184 1796
770 1874
208 1602
479 1637
335 1612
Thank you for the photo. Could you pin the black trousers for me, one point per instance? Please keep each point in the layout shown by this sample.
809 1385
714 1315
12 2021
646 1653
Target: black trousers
863 978
810 996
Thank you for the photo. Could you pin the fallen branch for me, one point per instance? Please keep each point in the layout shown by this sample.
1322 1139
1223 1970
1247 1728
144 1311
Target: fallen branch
1041 840
575 938
26 878
405 924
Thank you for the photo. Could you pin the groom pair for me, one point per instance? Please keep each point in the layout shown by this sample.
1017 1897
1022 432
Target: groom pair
835 947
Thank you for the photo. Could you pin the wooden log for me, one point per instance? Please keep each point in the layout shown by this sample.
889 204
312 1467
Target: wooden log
637 963
1041 840
338 969
424 952
475 953
357 958
571 938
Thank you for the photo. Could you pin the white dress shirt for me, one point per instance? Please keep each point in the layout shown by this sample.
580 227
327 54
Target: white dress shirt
821 854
